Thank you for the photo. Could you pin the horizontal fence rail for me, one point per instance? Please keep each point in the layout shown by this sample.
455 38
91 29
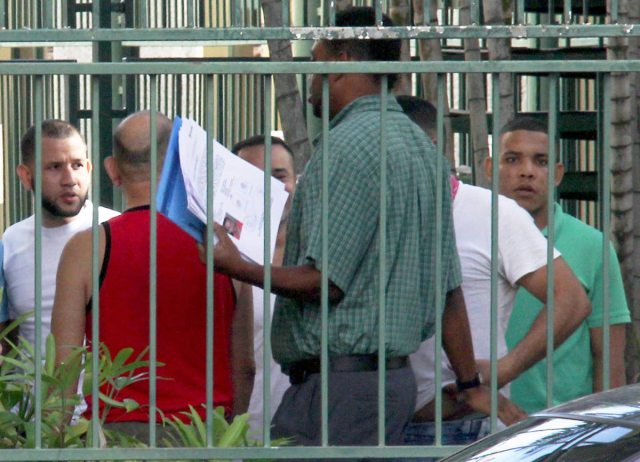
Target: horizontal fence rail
206 35
261 67
209 83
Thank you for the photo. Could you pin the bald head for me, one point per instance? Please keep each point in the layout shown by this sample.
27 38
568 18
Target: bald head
132 144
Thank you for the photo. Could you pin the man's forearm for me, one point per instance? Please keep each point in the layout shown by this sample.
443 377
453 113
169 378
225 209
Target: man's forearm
457 343
302 283
456 336
242 355
571 307
617 341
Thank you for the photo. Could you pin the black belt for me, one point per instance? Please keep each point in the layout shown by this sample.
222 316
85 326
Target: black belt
301 370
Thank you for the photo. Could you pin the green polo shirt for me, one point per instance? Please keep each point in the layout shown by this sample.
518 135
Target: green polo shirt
353 238
581 247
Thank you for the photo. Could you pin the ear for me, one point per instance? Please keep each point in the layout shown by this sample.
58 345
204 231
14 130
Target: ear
559 173
341 56
488 167
111 166
26 176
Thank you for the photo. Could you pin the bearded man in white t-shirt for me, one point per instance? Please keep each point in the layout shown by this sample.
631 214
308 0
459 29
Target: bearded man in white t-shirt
66 174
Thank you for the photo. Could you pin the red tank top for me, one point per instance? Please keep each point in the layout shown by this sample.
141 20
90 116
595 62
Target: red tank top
181 315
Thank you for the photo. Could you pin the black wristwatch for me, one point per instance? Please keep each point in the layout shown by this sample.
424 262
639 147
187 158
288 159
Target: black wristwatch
473 383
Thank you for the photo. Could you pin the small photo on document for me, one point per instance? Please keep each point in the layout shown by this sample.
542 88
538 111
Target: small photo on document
232 226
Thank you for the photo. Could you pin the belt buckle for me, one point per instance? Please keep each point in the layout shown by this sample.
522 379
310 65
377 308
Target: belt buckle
298 375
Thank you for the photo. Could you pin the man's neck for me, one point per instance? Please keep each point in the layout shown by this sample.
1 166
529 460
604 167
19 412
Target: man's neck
359 85
541 219
136 194
55 221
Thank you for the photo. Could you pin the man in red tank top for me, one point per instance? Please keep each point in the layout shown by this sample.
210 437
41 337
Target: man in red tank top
180 292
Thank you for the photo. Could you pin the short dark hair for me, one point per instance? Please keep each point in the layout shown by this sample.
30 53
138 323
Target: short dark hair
421 111
528 123
366 50
51 128
259 140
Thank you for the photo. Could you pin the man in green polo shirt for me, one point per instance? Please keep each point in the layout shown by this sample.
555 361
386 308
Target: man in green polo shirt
578 362
409 283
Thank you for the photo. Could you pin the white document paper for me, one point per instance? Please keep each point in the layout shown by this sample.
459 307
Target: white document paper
238 191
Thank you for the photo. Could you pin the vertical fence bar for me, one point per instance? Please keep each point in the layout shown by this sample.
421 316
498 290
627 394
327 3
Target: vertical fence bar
426 13
551 178
47 14
209 110
605 203
566 13
330 10
520 11
324 355
382 268
286 13
614 11
378 8
475 12
143 13
153 262
441 81
3 15
266 360
599 143
15 189
95 275
495 239
236 14
39 100
190 14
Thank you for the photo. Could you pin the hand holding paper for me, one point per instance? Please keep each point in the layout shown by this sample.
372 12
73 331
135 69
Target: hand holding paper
238 191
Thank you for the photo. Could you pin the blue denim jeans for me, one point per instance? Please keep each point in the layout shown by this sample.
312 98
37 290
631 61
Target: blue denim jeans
454 432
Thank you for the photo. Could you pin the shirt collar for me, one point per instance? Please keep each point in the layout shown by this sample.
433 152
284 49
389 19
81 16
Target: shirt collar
364 103
558 217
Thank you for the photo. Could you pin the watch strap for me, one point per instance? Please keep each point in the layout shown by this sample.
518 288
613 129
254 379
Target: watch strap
473 383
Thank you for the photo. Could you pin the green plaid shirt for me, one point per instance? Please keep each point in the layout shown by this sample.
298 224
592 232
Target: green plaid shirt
353 241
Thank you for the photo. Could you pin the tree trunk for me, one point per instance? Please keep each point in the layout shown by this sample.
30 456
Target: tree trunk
500 49
431 50
400 14
621 143
476 101
633 289
288 99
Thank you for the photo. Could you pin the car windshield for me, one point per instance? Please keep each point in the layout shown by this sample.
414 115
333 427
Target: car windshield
557 439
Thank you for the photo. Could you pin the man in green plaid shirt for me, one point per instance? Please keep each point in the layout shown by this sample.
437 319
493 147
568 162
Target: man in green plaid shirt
413 237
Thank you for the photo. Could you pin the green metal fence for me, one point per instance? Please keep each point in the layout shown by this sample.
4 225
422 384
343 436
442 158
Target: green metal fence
233 98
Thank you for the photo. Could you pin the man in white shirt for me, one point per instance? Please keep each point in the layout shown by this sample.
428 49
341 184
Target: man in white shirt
66 174
253 151
522 261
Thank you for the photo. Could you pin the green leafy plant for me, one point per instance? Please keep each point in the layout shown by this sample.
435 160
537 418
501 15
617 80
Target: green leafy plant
18 392
225 434
194 433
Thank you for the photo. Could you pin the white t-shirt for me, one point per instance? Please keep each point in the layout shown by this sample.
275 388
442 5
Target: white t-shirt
19 268
279 381
522 249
